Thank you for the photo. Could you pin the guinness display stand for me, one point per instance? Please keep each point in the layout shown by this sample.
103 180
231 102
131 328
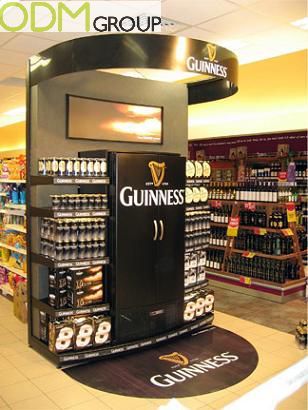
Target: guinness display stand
144 261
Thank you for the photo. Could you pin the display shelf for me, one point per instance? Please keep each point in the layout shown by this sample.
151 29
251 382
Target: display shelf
251 228
43 306
193 288
13 211
6 290
51 213
257 203
5 194
279 292
197 181
57 180
44 260
12 181
12 248
196 248
266 255
19 272
218 247
16 206
222 224
247 227
72 357
12 227
195 207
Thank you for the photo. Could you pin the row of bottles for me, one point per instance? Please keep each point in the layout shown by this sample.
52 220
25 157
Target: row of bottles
277 219
223 190
263 172
221 215
198 222
214 259
270 244
263 268
257 192
218 236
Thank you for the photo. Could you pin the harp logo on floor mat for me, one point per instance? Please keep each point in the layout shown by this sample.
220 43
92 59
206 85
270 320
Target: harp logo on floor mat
176 358
197 369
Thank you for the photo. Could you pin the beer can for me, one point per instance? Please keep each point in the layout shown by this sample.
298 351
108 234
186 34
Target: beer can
103 162
97 167
42 166
69 166
54 166
90 167
83 167
48 166
62 166
76 167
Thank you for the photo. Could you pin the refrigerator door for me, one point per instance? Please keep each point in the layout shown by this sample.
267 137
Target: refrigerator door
136 235
169 266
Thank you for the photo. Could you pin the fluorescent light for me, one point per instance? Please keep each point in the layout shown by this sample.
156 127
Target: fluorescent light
302 23
15 111
233 44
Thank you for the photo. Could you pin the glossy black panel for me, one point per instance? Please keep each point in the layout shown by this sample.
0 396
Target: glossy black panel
133 51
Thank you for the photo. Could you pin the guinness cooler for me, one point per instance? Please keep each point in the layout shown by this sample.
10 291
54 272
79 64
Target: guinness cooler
146 243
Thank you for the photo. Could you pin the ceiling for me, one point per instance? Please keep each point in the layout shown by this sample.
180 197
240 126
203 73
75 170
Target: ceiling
254 29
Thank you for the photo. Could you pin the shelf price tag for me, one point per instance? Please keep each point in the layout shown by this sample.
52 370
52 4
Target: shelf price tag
250 206
282 176
233 226
291 212
287 232
216 204
248 254
260 231
245 279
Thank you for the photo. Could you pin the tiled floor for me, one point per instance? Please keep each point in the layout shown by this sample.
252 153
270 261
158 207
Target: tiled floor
29 382
280 316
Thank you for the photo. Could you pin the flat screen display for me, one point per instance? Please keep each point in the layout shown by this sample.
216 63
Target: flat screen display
111 121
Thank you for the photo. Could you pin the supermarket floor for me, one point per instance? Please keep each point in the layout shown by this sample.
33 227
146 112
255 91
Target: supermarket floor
29 382
280 316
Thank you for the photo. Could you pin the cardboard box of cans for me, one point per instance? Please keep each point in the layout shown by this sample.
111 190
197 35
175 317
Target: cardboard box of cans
195 267
76 287
69 239
197 304
78 333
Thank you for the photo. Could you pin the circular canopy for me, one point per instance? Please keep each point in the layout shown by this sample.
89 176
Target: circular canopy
216 68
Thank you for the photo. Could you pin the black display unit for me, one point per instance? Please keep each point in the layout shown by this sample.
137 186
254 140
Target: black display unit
144 260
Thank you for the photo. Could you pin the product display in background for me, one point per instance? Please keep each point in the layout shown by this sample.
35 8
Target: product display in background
13 254
267 192
13 168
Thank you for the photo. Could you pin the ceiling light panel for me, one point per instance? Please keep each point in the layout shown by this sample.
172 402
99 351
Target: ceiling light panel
301 23
200 34
238 24
284 11
197 11
22 42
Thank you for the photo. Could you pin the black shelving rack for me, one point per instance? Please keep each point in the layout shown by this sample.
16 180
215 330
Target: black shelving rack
37 278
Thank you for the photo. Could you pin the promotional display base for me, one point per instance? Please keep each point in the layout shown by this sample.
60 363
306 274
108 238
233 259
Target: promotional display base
206 361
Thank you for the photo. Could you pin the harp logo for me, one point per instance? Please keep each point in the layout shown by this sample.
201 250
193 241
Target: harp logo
158 170
176 358
211 49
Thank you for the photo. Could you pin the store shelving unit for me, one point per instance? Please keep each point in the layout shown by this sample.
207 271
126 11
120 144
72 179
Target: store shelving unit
259 287
18 210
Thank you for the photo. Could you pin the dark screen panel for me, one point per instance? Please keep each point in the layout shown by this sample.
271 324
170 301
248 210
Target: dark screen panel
112 121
